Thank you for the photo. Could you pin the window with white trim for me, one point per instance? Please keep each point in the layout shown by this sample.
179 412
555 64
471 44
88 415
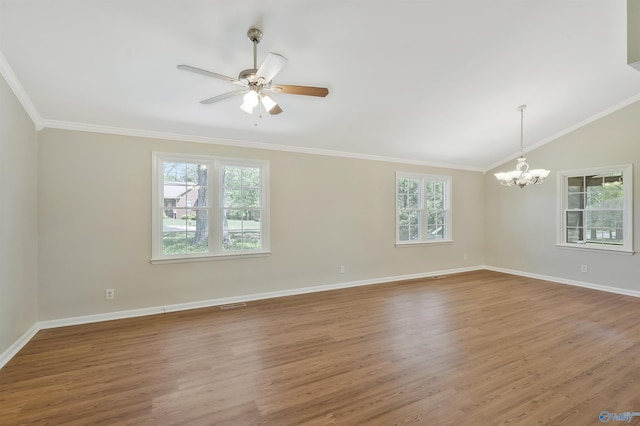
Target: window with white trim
423 208
596 208
208 206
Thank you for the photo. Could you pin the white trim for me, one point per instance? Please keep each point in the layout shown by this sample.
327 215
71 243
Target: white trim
608 289
63 322
561 208
403 244
83 127
12 350
238 299
215 165
422 222
596 247
566 131
12 81
208 257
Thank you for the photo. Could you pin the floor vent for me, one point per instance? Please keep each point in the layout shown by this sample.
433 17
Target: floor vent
233 305
438 277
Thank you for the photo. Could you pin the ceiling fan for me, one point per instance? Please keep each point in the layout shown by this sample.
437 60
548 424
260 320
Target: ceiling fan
257 81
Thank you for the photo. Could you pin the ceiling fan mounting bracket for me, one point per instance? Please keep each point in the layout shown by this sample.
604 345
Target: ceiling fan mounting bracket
255 35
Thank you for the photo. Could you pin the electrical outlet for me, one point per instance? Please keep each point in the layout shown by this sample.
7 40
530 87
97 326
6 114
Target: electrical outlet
109 293
583 268
465 257
342 269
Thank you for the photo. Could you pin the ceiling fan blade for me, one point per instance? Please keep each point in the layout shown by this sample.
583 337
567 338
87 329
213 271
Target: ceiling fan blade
223 96
210 74
300 90
271 66
270 105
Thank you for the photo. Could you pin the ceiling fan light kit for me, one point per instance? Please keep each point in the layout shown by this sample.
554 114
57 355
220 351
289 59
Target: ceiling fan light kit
522 176
258 80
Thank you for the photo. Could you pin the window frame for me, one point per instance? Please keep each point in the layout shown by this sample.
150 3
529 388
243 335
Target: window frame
422 228
627 210
215 207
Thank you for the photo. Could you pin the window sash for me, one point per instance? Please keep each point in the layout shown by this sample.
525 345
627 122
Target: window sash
253 241
587 218
423 215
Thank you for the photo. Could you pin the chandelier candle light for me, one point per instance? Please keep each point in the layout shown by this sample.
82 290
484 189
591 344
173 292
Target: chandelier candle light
522 176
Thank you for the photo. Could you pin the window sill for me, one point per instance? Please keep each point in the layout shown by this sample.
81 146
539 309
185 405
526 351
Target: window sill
207 258
422 243
596 248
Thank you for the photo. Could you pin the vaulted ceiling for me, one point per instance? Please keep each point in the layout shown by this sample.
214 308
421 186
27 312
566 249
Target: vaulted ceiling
425 81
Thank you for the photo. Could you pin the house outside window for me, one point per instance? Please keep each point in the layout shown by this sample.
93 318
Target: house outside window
208 207
423 209
596 209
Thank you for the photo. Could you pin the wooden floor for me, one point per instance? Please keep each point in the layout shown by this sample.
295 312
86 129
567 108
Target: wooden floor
479 348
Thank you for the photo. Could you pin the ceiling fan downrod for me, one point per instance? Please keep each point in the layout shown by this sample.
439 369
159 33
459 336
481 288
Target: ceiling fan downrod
255 35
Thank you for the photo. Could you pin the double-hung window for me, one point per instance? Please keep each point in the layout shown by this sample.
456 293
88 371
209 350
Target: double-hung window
423 208
208 207
595 208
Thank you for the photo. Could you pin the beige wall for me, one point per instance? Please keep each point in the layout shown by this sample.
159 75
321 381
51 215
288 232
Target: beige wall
18 222
95 233
521 223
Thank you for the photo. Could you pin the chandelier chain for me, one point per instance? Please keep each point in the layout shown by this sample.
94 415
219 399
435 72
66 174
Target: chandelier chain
522 131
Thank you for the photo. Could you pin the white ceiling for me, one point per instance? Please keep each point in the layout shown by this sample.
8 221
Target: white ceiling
434 82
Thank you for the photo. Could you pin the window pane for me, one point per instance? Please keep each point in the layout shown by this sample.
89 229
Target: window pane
574 235
409 225
593 219
250 197
403 201
420 206
408 193
575 184
575 201
574 218
613 194
241 187
174 172
612 219
231 177
197 242
435 195
597 207
242 229
174 242
435 232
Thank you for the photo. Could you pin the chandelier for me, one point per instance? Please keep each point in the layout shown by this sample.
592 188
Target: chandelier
522 176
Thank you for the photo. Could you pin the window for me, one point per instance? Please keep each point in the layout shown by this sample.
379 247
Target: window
423 208
595 208
208 206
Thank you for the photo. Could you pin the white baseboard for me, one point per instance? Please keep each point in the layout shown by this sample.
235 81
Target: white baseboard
12 350
591 286
238 299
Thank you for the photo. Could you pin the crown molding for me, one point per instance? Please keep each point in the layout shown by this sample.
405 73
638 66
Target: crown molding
84 127
18 90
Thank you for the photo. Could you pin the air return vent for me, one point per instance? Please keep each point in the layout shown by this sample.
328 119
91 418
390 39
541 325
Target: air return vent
233 305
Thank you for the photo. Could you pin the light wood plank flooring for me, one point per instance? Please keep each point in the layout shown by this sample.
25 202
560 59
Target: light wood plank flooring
478 348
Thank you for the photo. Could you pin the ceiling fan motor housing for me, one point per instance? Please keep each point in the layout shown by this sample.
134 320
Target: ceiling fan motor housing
248 76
